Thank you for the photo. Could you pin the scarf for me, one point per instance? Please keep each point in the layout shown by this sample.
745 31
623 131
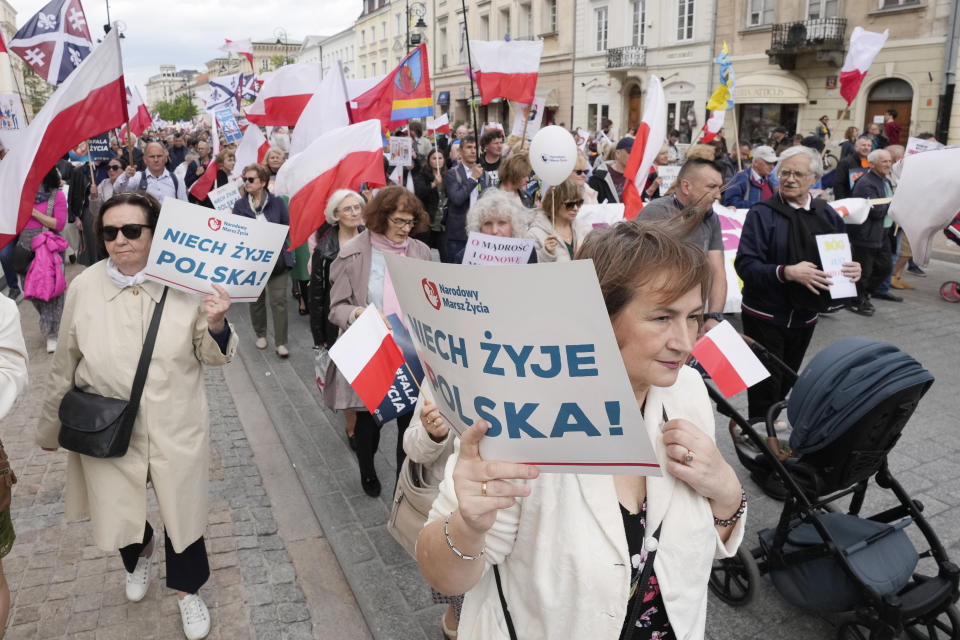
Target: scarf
43 196
384 244
121 280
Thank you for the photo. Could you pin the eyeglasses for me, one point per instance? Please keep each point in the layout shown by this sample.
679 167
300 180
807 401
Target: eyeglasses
250 180
402 224
113 167
787 174
573 204
130 231
580 172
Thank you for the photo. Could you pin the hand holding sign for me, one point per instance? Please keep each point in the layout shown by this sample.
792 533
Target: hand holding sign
215 306
807 274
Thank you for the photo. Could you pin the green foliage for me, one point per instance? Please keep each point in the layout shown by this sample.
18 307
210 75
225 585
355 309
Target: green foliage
278 61
180 109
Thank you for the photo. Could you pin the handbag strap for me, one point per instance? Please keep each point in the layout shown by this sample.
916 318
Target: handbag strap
503 603
146 354
641 589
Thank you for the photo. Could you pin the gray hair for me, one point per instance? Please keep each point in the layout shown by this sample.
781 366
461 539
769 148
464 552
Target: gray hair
330 213
495 204
874 156
816 167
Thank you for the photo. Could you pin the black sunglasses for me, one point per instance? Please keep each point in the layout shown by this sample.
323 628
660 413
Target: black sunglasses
580 172
130 231
573 204
248 179
113 167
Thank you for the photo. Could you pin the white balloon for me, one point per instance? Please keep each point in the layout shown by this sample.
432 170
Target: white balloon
553 154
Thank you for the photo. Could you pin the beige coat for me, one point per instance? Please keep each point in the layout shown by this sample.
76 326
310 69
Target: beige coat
541 229
101 335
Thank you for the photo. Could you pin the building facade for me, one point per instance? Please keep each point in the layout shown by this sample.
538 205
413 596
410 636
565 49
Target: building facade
787 57
167 85
328 50
620 44
549 20
381 31
270 54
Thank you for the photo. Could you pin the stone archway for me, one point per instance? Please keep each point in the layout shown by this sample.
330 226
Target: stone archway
890 93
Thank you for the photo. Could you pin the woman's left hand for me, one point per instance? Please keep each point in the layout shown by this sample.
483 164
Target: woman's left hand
706 472
215 306
851 270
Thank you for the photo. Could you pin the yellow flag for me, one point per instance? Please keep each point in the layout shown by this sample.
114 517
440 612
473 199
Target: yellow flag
718 101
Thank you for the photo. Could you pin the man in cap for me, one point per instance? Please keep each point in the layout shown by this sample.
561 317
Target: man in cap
608 181
752 184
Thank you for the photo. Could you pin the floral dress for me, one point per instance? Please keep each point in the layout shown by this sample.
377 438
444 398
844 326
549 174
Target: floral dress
652 624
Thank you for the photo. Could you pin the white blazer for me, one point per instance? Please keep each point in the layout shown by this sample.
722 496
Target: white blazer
563 554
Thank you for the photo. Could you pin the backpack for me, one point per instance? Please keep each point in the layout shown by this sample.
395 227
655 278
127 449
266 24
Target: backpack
142 186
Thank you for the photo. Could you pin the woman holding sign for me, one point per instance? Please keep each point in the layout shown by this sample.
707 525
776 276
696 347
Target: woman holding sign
552 226
572 553
108 309
359 277
497 213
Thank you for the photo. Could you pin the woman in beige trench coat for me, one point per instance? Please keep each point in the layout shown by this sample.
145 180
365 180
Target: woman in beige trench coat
106 316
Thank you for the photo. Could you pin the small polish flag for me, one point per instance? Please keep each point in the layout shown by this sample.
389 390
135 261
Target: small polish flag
712 126
243 47
506 70
440 125
201 188
864 47
368 357
729 360
251 150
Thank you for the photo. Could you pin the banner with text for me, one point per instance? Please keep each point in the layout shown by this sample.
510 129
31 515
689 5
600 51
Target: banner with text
502 344
223 198
487 249
194 247
100 148
229 125
400 151
403 394
532 114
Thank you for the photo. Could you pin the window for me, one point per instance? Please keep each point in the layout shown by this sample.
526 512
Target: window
485 27
817 9
602 29
683 117
363 38
463 41
525 26
373 33
760 12
550 13
504 22
685 19
363 71
442 46
597 113
893 4
399 18
383 65
639 21
383 30
265 64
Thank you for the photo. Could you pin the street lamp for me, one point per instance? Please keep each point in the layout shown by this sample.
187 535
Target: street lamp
418 10
281 35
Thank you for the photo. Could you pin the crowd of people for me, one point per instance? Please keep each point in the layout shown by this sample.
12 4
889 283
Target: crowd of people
670 257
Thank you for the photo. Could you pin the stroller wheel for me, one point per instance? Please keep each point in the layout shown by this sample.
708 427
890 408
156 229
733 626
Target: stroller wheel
945 626
851 628
734 580
950 291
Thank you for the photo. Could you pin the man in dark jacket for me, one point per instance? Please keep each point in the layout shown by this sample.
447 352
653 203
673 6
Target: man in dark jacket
752 185
871 246
177 152
463 184
851 167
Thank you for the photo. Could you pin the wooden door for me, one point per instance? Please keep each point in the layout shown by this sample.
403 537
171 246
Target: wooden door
879 107
633 108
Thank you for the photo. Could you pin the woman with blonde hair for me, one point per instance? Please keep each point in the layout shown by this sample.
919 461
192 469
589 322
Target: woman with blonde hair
552 228
514 177
579 175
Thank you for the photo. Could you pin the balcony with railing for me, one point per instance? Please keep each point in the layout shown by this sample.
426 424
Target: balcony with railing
821 36
624 58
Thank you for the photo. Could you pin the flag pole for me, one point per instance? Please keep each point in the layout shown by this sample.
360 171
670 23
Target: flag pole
526 119
736 139
410 371
473 95
93 179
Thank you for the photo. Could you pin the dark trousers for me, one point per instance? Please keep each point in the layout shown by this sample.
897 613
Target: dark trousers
787 344
875 266
367 434
91 252
186 571
11 276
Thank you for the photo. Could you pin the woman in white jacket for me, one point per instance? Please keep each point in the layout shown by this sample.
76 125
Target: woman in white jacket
571 549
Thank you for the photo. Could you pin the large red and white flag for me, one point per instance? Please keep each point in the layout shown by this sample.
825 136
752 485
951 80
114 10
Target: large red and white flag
343 158
243 47
285 94
251 150
864 47
440 125
326 111
201 188
140 118
368 357
651 134
729 361
712 126
506 69
89 102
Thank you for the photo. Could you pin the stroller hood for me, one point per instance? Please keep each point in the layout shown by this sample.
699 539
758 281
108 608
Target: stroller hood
842 384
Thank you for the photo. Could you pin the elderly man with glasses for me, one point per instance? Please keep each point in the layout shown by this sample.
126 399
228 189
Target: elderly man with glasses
155 179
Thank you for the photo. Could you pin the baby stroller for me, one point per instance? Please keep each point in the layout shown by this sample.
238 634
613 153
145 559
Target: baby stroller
848 408
950 290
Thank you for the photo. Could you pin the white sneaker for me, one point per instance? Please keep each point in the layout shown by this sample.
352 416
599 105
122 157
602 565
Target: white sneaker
51 345
261 343
139 581
282 351
195 617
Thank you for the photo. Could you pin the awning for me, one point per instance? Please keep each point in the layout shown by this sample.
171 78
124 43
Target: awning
770 87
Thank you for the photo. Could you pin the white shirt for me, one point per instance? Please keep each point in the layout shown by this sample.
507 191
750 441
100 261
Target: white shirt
807 205
13 355
159 188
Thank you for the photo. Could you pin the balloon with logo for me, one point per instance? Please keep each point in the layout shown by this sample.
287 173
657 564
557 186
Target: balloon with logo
553 154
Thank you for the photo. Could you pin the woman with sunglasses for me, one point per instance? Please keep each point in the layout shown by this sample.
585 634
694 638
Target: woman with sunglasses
263 205
579 175
359 277
107 310
552 227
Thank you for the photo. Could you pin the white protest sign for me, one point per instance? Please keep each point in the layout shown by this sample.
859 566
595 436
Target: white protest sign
834 249
668 174
533 119
919 145
11 112
597 216
194 248
401 151
503 344
224 197
228 125
731 227
486 249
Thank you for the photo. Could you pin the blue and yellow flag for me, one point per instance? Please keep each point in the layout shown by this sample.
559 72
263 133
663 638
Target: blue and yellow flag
722 98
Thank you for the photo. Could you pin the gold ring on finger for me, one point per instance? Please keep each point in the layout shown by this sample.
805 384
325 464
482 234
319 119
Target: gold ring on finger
483 488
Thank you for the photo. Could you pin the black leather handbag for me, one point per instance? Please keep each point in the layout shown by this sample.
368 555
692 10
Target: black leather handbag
100 427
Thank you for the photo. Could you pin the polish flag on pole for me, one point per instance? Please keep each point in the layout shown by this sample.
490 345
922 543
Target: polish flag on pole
440 125
243 47
251 150
326 111
729 361
864 47
206 182
712 126
506 69
140 118
90 101
651 135
368 357
343 158
285 94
